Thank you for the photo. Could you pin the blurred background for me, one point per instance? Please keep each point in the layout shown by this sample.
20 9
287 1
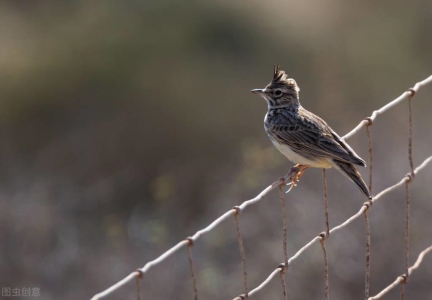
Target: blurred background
126 126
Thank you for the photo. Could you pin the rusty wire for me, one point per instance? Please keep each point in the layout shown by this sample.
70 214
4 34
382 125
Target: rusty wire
369 151
324 236
367 269
282 280
138 283
407 210
402 278
407 223
242 252
408 94
365 213
284 240
402 290
284 222
326 216
138 288
326 275
344 224
191 268
412 93
407 226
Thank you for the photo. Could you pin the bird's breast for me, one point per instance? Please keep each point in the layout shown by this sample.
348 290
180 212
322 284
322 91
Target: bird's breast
313 161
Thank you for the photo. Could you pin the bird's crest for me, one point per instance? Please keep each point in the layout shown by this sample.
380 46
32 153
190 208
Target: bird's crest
280 77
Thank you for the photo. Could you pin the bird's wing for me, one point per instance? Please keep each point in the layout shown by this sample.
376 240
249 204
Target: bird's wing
312 136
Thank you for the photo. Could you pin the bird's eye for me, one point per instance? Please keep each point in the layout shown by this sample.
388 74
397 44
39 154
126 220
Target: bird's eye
278 93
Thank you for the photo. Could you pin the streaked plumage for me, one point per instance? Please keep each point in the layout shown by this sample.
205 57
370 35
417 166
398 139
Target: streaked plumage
303 137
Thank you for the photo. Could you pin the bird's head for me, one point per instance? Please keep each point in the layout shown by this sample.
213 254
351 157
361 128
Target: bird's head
281 91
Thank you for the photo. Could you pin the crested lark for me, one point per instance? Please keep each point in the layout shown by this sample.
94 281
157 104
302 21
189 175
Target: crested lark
303 137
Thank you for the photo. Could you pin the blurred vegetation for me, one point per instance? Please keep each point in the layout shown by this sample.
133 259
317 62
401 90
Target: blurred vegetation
127 126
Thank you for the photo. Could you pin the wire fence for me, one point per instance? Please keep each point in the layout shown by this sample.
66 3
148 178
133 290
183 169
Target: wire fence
322 237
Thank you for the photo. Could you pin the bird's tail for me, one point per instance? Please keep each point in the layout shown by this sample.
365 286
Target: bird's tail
351 172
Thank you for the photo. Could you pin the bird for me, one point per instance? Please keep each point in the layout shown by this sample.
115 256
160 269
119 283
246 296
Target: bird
303 137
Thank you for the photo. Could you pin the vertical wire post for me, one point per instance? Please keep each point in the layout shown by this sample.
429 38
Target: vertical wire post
367 230
402 290
326 276
242 252
284 223
282 280
407 224
370 151
407 210
366 211
325 202
324 237
138 285
189 252
410 132
285 251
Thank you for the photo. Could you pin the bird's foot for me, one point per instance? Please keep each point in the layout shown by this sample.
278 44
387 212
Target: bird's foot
294 174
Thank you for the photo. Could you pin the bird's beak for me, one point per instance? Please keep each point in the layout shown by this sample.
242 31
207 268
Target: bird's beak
258 91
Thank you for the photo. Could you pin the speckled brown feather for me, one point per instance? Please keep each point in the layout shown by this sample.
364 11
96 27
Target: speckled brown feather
308 135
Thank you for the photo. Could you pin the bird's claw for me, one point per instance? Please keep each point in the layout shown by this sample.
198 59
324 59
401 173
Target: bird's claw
291 184
294 175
